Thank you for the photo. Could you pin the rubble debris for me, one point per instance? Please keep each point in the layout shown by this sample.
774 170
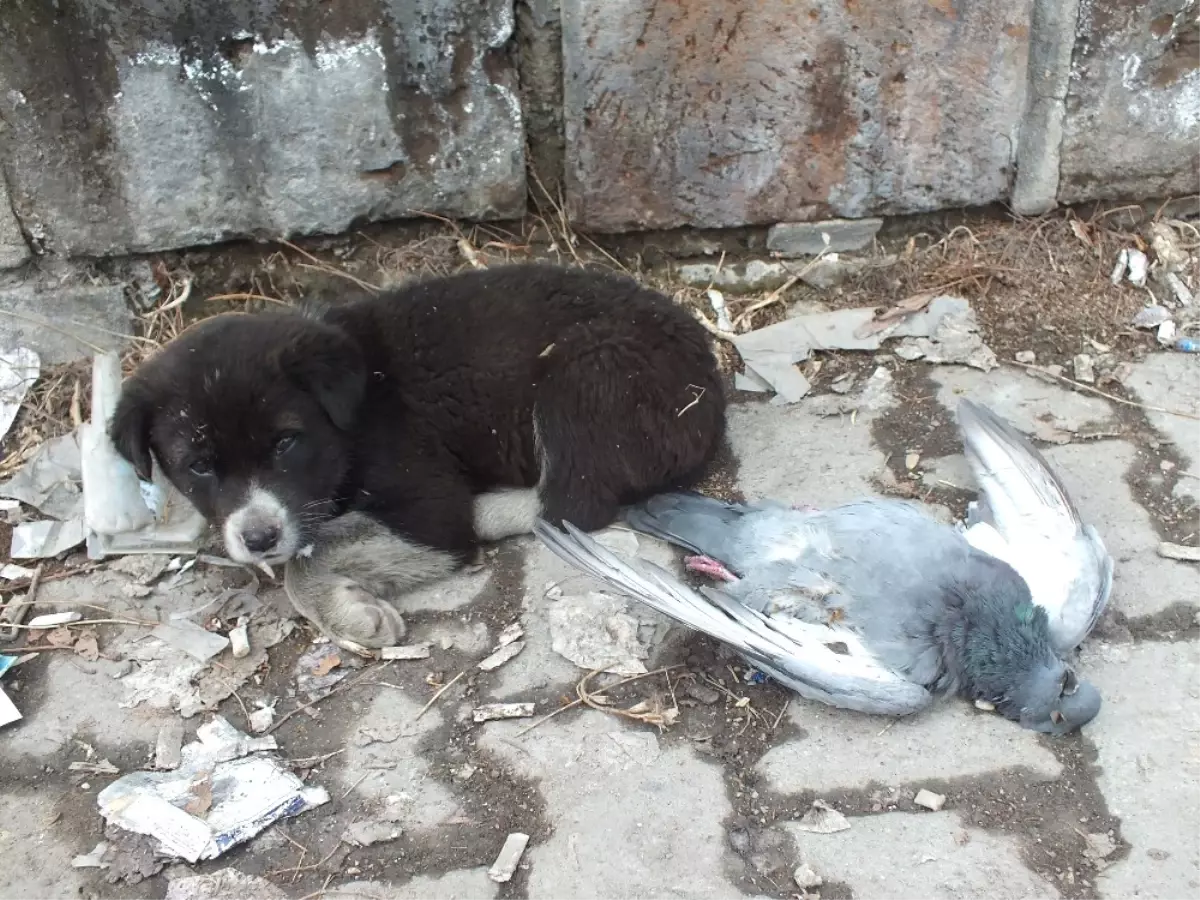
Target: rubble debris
263 717
1166 333
597 631
508 858
410 651
319 669
122 513
929 800
1183 296
239 640
19 369
168 747
1028 357
738 278
1085 368
911 459
93 860
513 631
12 572
1139 267
1181 552
822 818
226 884
944 331
191 639
1098 848
235 789
489 712
501 656
46 539
364 834
1151 316
806 877
49 481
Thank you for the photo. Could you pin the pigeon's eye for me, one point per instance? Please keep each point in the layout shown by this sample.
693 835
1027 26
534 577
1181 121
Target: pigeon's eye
1069 683
284 443
201 468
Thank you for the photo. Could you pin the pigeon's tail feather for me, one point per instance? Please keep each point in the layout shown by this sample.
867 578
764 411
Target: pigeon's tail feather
1015 479
689 520
795 653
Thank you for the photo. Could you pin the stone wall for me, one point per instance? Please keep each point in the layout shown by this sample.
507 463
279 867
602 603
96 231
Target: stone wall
142 125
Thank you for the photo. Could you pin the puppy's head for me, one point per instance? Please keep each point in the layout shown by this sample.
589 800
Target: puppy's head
250 417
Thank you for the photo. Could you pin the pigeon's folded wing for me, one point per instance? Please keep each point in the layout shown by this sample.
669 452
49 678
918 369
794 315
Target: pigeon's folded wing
799 655
1028 519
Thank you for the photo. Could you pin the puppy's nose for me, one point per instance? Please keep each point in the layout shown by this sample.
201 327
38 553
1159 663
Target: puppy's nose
260 538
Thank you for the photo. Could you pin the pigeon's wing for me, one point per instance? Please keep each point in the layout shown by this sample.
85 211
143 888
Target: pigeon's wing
797 654
1028 519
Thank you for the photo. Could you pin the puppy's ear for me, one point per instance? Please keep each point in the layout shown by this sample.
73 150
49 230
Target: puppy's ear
130 427
329 364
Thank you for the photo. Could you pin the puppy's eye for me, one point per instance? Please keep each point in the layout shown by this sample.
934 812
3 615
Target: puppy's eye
201 468
285 443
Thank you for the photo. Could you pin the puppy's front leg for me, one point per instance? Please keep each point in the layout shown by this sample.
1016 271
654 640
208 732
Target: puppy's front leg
357 570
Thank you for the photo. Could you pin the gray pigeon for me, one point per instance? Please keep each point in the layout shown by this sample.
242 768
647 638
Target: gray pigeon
872 606
1025 517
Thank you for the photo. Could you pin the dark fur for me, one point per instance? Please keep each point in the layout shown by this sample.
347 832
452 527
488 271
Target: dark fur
406 405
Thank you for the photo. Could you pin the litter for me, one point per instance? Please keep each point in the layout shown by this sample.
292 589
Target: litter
945 331
8 710
123 514
1187 345
19 369
509 858
1166 333
717 301
193 640
10 572
1179 552
492 711
1139 267
319 669
822 818
1085 368
224 793
46 539
411 651
501 656
93 860
53 620
929 800
49 481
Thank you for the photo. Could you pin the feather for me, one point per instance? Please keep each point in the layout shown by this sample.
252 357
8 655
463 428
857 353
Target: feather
794 652
1027 518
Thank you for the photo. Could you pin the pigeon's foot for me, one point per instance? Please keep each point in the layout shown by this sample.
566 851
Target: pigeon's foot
706 565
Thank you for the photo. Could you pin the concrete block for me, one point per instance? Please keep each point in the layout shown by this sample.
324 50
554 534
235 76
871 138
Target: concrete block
67 323
1133 106
791 239
125 137
708 115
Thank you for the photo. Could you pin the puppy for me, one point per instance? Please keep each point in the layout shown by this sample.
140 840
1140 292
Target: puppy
446 413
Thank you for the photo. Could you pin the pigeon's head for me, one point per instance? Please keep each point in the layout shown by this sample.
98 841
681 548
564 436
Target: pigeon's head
1053 700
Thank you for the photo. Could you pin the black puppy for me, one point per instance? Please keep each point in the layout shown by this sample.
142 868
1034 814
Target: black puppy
447 412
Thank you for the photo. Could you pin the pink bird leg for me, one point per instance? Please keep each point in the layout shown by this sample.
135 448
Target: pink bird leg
706 565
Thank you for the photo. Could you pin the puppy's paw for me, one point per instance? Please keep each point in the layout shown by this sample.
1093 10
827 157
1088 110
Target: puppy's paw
359 618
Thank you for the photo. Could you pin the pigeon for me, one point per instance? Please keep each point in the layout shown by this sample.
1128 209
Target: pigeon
1025 517
872 606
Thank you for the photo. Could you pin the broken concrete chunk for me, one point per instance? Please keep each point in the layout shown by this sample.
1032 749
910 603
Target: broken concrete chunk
1085 368
597 631
792 239
364 834
509 858
501 656
512 631
930 800
805 877
1181 552
167 755
239 640
489 712
409 651
736 278
822 818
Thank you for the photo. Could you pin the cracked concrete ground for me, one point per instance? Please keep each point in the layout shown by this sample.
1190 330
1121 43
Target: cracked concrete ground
710 805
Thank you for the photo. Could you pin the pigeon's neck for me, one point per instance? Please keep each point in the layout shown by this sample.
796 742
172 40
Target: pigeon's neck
1001 636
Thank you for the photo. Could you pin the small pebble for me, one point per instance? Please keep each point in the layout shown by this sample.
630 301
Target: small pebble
805 877
1025 356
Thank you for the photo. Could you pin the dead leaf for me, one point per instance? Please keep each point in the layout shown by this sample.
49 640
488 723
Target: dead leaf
201 801
1081 231
60 637
87 647
906 307
327 664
